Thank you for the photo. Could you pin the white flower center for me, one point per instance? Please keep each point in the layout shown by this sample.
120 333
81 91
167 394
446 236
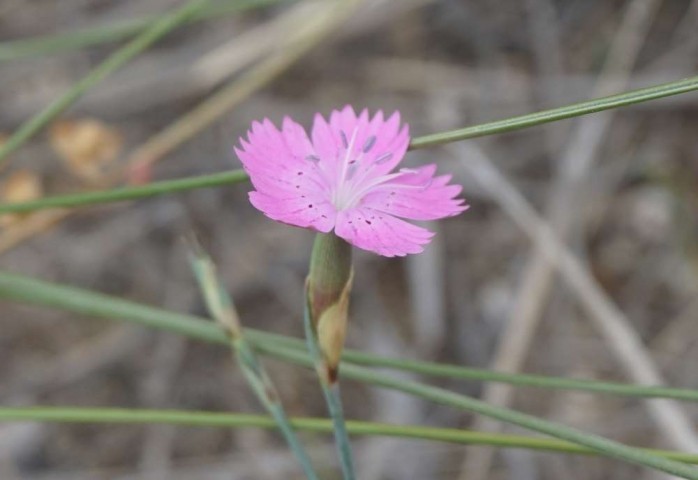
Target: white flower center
351 185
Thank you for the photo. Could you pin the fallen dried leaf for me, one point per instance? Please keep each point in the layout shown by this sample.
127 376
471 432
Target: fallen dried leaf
87 146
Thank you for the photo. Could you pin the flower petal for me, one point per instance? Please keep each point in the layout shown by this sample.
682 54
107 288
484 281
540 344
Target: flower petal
290 186
380 233
418 196
377 145
349 128
326 145
391 144
300 212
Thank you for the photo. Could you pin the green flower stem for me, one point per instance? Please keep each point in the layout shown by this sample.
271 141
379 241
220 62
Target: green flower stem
327 291
61 42
158 29
127 193
332 398
222 309
32 291
324 322
561 113
330 265
318 425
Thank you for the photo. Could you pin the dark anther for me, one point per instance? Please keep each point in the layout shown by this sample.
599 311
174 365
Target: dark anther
370 142
384 158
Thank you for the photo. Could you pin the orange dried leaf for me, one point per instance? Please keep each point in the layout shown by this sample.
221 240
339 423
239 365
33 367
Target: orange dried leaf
87 146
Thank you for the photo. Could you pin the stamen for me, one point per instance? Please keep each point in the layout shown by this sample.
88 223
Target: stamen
383 158
378 184
370 142
341 189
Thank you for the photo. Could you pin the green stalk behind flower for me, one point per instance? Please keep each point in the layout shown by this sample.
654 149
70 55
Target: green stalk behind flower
221 308
325 320
327 288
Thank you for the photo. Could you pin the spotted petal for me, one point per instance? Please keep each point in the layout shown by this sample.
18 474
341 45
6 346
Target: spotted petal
345 179
381 233
417 196
380 144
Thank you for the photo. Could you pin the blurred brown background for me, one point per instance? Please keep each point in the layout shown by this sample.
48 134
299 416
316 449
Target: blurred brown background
621 187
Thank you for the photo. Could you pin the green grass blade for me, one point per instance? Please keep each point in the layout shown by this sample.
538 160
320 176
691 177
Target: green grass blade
115 61
267 394
599 444
523 380
91 303
127 193
33 291
333 398
61 42
222 309
561 113
444 370
318 425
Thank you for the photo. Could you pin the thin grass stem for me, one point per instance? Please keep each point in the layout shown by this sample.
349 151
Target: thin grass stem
37 292
307 36
222 309
333 398
318 425
555 114
158 29
68 41
599 444
104 306
154 189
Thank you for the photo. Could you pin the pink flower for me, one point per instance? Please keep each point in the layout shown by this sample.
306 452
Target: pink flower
342 178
